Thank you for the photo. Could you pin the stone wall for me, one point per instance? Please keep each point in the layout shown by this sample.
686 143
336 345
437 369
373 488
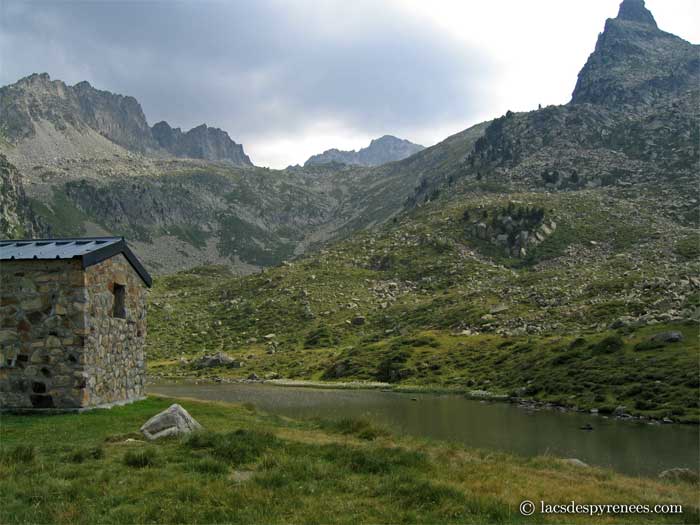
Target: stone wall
42 331
115 363
60 346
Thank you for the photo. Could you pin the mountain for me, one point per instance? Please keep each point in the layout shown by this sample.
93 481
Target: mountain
201 142
46 119
549 257
380 151
88 166
634 62
633 120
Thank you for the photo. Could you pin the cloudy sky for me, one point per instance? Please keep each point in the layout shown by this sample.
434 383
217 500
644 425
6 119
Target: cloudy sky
288 79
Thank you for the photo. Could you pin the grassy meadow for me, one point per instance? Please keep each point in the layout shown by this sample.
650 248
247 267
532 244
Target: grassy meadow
250 467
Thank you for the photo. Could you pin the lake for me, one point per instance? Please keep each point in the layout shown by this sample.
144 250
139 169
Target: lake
630 447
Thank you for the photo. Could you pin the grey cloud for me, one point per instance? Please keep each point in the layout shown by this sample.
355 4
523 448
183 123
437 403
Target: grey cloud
258 68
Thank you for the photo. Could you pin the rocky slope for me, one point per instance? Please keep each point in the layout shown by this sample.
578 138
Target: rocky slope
380 151
186 212
17 219
550 255
180 213
633 120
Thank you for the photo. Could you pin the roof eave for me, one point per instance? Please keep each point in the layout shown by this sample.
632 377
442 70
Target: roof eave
104 253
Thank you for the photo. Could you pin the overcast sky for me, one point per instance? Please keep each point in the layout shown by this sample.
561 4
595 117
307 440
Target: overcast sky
288 79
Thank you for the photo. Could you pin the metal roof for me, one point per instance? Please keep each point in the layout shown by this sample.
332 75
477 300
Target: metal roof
90 251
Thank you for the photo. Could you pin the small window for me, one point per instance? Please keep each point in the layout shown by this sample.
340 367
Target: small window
119 300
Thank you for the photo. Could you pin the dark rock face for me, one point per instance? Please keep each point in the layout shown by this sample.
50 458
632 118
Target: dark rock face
636 11
201 142
380 151
117 117
635 63
16 217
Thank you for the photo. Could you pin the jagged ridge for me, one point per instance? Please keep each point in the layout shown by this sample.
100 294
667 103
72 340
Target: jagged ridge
380 151
75 111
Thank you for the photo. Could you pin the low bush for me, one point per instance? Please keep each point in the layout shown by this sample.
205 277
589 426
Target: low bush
82 454
361 428
608 345
238 447
141 458
20 454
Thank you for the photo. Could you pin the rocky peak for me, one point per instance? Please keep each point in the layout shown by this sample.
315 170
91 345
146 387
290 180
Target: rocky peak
34 102
35 79
380 151
636 11
635 63
201 142
37 99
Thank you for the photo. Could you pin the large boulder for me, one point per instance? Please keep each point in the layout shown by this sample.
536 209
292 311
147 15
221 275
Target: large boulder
170 422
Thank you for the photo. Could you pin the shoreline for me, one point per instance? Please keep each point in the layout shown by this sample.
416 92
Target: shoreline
474 395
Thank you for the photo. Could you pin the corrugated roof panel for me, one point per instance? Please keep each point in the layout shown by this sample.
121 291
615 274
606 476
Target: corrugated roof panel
53 248
90 250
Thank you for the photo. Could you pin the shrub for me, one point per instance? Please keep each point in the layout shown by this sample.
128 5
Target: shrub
197 440
418 493
320 337
391 368
577 343
210 466
241 446
82 454
642 404
649 344
608 345
359 427
373 461
141 458
21 454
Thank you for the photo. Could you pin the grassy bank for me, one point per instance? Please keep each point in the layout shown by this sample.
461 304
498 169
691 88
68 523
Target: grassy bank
581 372
422 302
257 468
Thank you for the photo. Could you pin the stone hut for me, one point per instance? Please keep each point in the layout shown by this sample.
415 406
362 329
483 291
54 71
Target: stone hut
72 323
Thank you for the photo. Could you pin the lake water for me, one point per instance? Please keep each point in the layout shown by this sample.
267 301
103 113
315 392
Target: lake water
630 447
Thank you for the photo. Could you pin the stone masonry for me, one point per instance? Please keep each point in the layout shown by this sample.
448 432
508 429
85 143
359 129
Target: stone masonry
61 344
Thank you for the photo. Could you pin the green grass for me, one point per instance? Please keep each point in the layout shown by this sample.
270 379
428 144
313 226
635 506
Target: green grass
248 467
423 280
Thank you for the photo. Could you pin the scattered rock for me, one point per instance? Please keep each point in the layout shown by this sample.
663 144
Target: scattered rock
132 441
218 359
499 308
241 476
680 474
359 320
170 422
253 377
576 462
620 410
668 337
